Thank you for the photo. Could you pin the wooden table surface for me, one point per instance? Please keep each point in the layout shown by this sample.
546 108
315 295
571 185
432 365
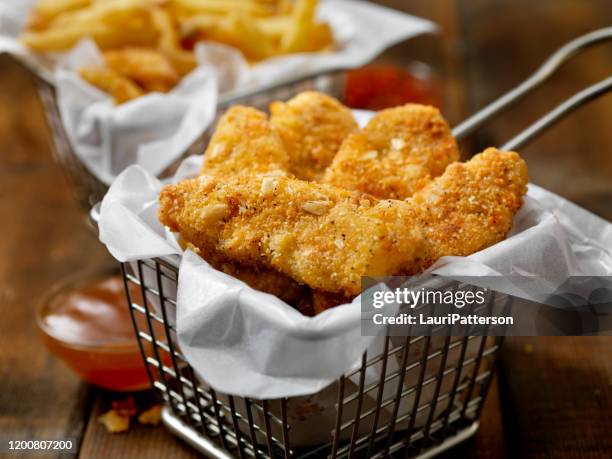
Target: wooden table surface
552 397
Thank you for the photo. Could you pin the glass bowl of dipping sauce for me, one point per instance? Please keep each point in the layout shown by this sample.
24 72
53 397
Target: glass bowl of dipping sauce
85 321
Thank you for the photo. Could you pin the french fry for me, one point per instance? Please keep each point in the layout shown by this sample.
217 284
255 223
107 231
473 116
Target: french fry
254 44
46 10
168 42
59 39
274 25
163 23
200 23
122 89
147 67
301 18
169 29
63 38
284 6
158 86
320 38
183 61
111 11
235 30
249 7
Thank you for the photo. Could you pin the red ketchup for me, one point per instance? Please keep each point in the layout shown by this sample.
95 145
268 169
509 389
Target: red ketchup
379 86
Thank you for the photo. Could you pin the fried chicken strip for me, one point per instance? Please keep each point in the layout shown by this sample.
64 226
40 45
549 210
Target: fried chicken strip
312 126
244 142
395 154
467 209
471 206
319 235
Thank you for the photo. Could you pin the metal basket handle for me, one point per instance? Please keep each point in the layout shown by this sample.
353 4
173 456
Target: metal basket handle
561 110
559 57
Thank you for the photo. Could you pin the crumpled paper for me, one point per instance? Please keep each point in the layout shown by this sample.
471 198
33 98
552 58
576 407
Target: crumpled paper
248 343
152 131
155 130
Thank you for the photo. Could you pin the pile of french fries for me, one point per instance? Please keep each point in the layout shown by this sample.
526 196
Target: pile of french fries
148 44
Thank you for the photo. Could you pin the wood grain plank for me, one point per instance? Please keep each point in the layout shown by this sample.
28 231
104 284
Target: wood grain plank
44 238
560 389
140 441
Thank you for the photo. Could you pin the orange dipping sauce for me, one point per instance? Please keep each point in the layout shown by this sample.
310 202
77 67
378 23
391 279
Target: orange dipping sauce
88 325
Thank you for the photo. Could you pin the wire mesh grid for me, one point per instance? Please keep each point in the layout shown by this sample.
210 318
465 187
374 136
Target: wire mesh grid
417 395
90 190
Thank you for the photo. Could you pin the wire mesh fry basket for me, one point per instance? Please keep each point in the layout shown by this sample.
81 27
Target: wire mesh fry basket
426 397
426 394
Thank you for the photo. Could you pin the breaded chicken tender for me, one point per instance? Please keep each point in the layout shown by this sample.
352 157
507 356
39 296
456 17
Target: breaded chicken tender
395 154
319 235
244 142
467 209
471 206
312 126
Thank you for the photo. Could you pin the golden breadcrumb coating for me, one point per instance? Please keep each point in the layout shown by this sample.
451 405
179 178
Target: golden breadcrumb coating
312 126
260 278
471 206
319 235
467 209
395 154
244 142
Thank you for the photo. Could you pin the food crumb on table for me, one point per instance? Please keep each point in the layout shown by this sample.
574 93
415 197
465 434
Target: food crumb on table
114 422
151 417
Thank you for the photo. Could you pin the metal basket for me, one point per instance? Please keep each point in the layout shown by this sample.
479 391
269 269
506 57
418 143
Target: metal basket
453 372
90 190
429 391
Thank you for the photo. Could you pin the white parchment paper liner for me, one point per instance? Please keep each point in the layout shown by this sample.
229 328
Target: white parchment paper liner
155 130
245 342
